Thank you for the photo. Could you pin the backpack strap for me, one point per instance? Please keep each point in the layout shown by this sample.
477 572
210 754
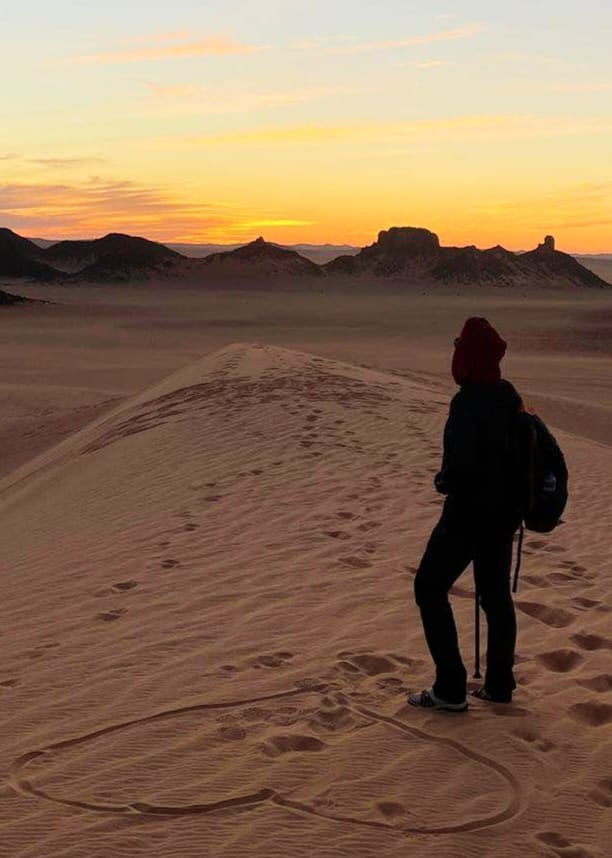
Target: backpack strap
518 558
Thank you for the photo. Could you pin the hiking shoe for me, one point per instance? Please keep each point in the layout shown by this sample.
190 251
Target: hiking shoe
428 700
482 694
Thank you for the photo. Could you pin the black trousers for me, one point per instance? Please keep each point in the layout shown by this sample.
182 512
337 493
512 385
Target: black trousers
465 535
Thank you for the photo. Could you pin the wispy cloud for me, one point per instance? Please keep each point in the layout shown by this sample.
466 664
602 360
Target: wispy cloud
519 57
408 42
469 126
174 91
257 224
579 87
168 36
572 207
99 206
319 42
211 46
59 163
432 64
191 99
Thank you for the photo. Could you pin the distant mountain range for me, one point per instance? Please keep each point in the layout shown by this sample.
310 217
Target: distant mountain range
405 254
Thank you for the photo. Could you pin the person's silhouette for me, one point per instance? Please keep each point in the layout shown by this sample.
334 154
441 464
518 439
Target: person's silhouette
477 525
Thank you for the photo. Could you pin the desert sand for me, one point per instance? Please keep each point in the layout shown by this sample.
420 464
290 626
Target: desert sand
212 508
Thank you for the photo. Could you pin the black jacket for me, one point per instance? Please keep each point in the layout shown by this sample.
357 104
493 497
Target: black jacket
478 464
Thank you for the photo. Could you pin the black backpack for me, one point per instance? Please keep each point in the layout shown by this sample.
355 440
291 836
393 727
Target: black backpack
542 474
541 471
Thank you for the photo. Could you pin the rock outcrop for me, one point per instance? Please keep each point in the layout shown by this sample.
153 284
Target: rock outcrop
113 257
20 257
399 251
416 256
258 259
408 255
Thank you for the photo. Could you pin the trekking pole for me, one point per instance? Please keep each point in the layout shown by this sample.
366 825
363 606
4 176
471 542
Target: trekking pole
477 674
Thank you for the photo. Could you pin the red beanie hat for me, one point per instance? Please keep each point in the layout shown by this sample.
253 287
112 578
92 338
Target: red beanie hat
478 352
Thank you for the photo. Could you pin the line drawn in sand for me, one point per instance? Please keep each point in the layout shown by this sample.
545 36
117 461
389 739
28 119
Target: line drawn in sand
22 785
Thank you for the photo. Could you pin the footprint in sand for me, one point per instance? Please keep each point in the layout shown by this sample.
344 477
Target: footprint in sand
602 683
532 738
9 683
110 616
123 586
560 661
337 534
368 663
369 525
563 847
285 744
591 642
232 733
584 604
555 617
565 578
602 794
575 567
356 562
169 564
275 659
213 498
391 809
593 713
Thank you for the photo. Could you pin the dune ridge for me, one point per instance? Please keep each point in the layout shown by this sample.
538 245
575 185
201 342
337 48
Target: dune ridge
220 572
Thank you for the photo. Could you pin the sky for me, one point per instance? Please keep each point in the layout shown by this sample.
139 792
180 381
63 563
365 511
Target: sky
308 120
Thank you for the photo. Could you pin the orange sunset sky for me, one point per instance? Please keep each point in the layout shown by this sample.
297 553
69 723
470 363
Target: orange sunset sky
308 121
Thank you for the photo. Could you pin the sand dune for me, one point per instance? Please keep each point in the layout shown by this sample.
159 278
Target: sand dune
208 633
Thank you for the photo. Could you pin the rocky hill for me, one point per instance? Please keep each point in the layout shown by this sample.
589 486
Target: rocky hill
21 258
261 258
415 255
403 254
113 257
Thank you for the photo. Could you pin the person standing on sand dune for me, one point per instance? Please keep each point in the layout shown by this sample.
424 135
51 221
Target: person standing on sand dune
479 518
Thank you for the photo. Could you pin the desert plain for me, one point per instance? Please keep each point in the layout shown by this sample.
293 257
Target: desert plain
212 507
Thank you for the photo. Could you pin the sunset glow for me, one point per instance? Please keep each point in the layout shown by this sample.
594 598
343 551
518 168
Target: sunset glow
309 121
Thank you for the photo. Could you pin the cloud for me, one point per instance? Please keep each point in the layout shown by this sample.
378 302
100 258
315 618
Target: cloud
518 57
256 224
185 99
212 46
411 41
432 64
157 38
573 207
98 206
186 90
60 163
506 125
317 42
579 87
